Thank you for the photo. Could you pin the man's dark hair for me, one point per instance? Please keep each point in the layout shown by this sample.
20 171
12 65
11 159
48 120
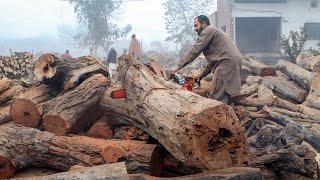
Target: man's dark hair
203 18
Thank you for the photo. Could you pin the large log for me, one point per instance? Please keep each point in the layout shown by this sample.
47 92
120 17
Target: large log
308 61
4 84
77 109
23 146
8 94
298 74
27 107
285 88
55 71
107 171
258 68
198 131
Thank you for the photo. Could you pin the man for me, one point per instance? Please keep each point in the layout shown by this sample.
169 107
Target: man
134 48
224 60
66 55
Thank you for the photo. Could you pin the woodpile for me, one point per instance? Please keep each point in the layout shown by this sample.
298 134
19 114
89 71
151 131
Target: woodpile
17 65
72 122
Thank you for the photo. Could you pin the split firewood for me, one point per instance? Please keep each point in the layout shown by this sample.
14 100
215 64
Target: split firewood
23 146
258 67
162 109
114 170
285 88
54 71
4 115
77 109
27 108
4 84
308 61
281 150
9 94
298 74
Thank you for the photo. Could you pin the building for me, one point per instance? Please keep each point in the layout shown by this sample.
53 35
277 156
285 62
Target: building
256 26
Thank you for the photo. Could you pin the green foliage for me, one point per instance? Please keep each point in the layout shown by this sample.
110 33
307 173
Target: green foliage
179 17
293 44
97 23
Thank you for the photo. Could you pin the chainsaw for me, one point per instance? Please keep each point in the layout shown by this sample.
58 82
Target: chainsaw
187 83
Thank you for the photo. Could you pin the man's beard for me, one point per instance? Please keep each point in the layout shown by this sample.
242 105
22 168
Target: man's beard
200 30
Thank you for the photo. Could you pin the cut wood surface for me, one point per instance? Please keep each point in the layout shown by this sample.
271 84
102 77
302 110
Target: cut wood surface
287 89
298 74
27 107
198 131
107 171
308 61
24 146
77 109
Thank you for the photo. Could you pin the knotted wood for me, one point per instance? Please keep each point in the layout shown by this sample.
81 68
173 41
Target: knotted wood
198 131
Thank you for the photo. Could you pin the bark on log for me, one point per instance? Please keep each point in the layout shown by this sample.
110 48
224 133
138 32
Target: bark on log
8 94
77 109
258 67
23 146
313 99
4 84
245 73
195 69
107 171
251 89
298 74
54 71
4 115
308 61
164 111
311 113
27 107
285 88
130 133
254 79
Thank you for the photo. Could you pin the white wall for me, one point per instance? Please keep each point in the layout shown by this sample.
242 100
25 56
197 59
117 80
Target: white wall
294 14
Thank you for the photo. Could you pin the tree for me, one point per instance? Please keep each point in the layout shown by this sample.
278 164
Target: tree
179 17
293 44
97 23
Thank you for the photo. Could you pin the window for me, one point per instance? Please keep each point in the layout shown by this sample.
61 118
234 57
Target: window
313 31
260 1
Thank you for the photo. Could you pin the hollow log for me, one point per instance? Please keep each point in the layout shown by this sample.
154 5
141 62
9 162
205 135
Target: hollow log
308 61
4 115
23 146
285 88
8 94
298 74
180 120
27 107
54 71
258 68
4 84
76 110
107 171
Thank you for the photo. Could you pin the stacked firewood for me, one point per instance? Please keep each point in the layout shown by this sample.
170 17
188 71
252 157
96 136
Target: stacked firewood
76 119
17 65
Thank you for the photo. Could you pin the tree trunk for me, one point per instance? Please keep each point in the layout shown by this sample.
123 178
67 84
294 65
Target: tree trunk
285 88
308 61
258 67
77 109
54 71
4 84
107 171
299 75
180 120
313 99
24 146
4 115
27 107
8 94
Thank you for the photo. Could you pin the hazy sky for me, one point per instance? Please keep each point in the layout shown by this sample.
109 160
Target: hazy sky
29 18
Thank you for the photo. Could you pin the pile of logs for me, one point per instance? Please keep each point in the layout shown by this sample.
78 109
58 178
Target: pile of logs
71 121
17 65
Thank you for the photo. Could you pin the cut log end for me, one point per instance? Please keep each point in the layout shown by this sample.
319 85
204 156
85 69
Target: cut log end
268 71
55 124
24 112
6 168
44 67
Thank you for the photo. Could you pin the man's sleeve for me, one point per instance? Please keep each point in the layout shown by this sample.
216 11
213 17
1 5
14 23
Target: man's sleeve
203 41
